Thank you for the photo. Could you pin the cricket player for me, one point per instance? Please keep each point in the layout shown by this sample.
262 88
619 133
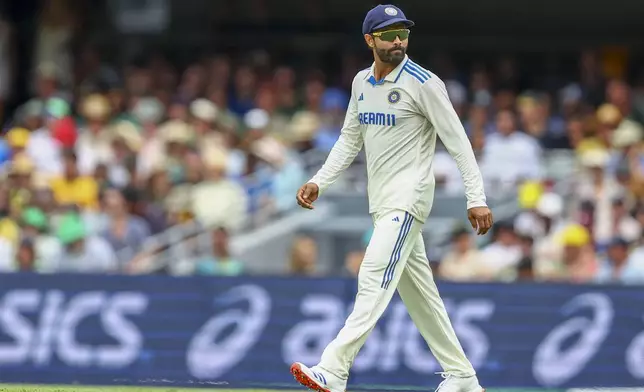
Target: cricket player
397 109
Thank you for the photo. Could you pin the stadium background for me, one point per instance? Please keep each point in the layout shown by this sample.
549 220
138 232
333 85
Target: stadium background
155 146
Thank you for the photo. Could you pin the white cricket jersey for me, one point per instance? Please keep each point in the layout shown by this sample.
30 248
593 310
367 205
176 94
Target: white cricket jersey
397 120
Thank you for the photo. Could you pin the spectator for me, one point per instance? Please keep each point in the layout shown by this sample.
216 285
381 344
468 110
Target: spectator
509 155
81 253
42 147
35 229
599 189
502 256
334 103
547 251
579 257
124 232
303 257
221 263
230 210
21 175
30 115
26 256
94 142
537 120
464 263
617 267
73 188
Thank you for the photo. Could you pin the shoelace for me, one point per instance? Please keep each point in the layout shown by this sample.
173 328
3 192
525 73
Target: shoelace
446 377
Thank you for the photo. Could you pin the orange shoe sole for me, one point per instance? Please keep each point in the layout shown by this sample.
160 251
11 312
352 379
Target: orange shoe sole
302 378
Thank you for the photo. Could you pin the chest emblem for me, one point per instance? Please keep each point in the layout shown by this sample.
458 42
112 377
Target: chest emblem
393 97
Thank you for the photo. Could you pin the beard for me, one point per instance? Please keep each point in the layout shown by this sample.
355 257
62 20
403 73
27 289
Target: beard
393 56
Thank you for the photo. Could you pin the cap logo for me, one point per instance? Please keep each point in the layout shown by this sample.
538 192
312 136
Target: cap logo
391 11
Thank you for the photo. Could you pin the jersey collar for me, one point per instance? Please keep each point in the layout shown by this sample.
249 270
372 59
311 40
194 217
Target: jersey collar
392 77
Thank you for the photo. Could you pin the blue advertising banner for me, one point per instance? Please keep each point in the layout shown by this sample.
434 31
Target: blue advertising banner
242 331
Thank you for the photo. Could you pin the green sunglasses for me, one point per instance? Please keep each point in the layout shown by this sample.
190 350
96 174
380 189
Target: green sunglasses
390 35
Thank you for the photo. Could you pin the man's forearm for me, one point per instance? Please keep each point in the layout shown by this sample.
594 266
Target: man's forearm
342 154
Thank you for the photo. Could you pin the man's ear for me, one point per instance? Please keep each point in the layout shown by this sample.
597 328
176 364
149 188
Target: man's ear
369 40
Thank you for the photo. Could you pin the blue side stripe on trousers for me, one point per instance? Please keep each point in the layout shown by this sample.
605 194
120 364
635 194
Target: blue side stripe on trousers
404 230
399 252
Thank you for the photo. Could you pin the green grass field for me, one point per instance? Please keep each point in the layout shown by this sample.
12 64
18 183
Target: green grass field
81 388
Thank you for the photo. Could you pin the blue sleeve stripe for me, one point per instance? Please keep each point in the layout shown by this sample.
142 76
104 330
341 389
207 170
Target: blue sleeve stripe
419 69
415 74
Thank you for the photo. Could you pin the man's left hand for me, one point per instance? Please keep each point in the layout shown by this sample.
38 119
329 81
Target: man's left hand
481 219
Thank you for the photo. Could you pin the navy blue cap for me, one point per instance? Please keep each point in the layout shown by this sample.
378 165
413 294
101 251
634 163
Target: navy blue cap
382 16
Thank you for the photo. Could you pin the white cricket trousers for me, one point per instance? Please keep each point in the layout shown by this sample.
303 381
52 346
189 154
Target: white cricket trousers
395 259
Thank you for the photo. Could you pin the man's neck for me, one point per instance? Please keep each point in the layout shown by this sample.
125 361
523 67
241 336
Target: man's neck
382 69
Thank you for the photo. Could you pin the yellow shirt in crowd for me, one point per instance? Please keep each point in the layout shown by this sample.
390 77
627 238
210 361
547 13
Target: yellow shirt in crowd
82 191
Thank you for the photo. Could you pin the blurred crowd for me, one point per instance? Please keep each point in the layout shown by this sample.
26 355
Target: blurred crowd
103 157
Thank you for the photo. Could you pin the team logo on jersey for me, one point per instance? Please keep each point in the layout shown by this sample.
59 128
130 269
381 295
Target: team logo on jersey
393 97
391 11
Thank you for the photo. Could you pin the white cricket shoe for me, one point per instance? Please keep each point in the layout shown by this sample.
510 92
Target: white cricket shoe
317 379
452 383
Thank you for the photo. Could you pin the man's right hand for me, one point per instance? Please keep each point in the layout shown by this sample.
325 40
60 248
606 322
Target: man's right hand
307 194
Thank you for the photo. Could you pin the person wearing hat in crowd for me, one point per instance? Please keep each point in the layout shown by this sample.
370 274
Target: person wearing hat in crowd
230 211
617 267
81 253
266 100
43 149
35 227
126 142
177 137
152 153
30 114
607 119
598 188
527 222
578 258
180 196
203 115
17 139
547 249
148 114
463 262
93 145
64 132
21 174
208 136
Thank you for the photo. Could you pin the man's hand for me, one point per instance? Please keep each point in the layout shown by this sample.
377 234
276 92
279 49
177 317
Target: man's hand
481 219
307 194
